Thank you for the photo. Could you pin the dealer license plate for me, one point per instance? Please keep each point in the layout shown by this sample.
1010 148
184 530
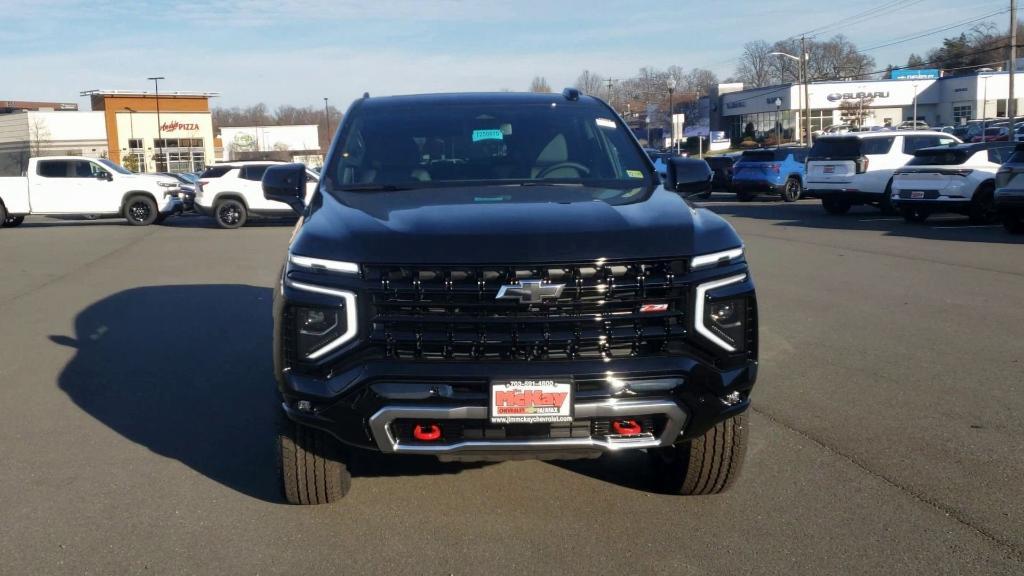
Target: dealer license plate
529 401
917 193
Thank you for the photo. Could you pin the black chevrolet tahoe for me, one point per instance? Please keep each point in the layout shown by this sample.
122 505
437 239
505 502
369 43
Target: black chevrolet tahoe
498 276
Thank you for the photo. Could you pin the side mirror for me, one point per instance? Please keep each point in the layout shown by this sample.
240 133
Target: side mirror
105 176
286 183
688 176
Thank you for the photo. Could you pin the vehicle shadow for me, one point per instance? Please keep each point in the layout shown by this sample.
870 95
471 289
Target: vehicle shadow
629 469
196 220
809 214
186 371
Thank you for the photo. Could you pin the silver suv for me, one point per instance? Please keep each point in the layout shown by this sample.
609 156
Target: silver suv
1009 195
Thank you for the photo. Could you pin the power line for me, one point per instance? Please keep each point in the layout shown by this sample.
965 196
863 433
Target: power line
932 31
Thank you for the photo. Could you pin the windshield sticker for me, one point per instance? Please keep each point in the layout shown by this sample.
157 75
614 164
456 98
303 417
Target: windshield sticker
479 135
635 173
605 123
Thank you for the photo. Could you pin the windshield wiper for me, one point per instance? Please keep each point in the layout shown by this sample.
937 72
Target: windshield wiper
544 183
374 188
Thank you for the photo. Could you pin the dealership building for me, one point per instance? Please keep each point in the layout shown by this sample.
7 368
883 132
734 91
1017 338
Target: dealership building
941 101
144 132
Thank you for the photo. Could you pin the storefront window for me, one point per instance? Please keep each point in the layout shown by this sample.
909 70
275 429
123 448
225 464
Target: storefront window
179 154
964 111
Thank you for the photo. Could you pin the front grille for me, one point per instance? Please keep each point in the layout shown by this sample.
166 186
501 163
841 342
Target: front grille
451 312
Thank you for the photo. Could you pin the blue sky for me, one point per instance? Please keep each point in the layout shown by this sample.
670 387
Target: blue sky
299 51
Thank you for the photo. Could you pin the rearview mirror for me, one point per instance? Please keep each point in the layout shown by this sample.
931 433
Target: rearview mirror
688 176
286 183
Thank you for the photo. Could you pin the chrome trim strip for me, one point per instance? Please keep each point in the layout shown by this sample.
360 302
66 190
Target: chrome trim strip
380 426
321 264
715 258
698 313
351 327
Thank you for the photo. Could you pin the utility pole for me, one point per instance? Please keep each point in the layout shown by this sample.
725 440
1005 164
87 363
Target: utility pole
1011 102
807 91
159 127
327 117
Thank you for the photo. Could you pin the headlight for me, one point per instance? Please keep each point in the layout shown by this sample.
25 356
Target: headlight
723 321
724 257
320 329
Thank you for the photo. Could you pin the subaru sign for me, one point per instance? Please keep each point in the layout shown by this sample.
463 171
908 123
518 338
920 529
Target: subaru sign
928 74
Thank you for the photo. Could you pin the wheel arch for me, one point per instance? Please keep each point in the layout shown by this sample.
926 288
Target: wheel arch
230 196
130 193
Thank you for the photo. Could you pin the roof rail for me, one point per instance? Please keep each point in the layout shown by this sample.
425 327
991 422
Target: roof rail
571 94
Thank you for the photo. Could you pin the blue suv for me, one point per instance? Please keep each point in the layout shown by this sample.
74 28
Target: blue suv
772 171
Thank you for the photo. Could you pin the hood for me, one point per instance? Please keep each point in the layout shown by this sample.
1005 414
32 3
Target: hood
477 225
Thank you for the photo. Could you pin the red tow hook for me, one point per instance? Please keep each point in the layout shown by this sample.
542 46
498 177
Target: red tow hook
628 427
426 432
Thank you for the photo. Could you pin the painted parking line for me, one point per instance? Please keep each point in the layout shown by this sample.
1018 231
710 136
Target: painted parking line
965 226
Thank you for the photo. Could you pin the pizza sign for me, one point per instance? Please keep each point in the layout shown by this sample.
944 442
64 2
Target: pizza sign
175 126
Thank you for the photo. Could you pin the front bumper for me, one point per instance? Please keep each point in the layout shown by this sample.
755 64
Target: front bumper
362 405
171 205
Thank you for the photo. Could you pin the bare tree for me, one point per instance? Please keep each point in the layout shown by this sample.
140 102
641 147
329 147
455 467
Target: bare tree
699 81
590 83
838 58
539 84
39 134
755 65
855 111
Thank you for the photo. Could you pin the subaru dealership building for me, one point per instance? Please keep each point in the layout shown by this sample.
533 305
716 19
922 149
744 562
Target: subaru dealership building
941 101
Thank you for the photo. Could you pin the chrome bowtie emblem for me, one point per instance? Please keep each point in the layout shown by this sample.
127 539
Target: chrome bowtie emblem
529 291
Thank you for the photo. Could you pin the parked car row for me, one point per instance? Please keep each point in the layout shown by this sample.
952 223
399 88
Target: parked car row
73 186
915 173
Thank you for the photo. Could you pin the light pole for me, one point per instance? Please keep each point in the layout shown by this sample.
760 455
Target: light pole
131 127
914 125
159 127
803 100
778 121
984 109
671 114
647 121
327 118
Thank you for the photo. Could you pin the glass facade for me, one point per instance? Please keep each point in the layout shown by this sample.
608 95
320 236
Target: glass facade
179 154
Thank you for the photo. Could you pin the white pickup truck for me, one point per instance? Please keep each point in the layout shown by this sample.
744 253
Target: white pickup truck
97 187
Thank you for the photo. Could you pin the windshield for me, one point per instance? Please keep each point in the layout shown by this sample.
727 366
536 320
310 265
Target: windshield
114 166
446 144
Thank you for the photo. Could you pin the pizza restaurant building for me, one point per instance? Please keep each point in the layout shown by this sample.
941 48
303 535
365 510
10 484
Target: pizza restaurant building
172 132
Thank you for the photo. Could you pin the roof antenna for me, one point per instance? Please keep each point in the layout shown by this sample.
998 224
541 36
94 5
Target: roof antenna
366 94
571 94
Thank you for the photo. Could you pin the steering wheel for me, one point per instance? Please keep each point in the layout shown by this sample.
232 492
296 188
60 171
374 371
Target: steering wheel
578 167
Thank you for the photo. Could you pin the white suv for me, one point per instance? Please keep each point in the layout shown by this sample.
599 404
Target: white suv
857 168
959 178
232 192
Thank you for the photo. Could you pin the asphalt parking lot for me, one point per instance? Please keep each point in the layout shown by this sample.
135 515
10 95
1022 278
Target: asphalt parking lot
137 411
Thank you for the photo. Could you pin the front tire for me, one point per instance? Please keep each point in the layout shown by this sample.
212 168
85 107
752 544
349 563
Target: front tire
13 221
885 204
983 209
792 191
312 470
140 210
706 465
835 205
230 214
